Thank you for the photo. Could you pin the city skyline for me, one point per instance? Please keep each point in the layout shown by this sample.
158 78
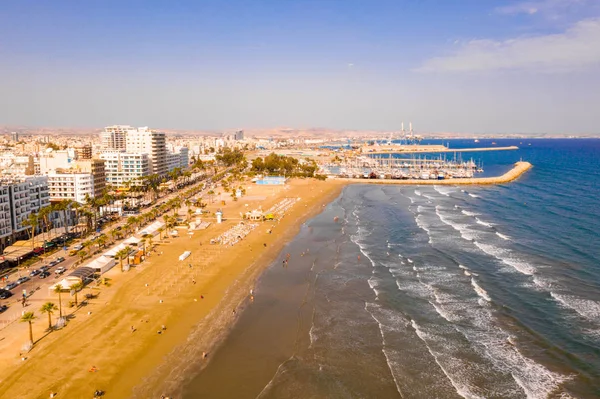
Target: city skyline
526 67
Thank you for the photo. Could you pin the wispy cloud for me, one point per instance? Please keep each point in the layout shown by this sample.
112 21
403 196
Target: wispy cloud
575 49
552 8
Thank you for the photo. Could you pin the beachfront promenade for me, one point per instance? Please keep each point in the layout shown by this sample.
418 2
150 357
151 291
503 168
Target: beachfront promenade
513 174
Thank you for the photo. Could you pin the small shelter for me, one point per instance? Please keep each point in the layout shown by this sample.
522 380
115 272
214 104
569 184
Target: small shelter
101 264
151 229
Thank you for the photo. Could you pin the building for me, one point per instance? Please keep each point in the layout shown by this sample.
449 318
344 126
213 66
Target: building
121 167
145 141
113 137
52 160
16 165
178 157
97 168
70 185
173 161
238 135
5 216
15 137
83 152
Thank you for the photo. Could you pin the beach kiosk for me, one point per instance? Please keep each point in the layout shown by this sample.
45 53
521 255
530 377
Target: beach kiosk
219 214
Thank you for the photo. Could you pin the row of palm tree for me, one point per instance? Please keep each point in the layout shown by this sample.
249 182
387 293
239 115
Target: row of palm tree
50 308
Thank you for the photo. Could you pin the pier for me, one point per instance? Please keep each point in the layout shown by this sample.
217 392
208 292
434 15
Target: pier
513 174
431 148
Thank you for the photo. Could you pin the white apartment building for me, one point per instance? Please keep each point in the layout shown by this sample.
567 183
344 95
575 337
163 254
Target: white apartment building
145 141
5 219
113 137
70 186
121 167
177 157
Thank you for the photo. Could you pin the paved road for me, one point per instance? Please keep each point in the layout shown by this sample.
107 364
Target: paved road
37 289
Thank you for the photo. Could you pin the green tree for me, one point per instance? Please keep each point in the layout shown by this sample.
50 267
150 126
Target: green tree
77 287
58 290
122 254
49 308
29 317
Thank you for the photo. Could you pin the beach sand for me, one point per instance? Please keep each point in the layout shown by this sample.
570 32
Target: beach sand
136 363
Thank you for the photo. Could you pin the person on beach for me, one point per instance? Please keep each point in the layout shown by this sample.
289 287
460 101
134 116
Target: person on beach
193 281
251 291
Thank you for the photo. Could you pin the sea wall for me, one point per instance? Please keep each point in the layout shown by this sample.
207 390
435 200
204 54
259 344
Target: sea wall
513 174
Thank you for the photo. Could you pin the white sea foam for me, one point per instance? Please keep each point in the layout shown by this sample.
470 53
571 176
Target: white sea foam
503 236
465 232
480 291
473 195
421 223
481 222
443 190
462 389
418 192
503 255
585 307
409 260
469 213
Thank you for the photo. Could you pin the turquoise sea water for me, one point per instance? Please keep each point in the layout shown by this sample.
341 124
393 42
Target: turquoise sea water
425 292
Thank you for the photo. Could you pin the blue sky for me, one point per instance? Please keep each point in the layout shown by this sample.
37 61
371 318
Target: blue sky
446 65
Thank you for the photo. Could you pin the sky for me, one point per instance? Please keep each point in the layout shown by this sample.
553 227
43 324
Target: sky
468 66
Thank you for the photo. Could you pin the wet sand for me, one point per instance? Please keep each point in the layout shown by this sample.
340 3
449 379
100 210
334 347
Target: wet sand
134 364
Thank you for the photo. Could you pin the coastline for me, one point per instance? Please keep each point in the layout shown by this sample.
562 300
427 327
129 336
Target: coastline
196 315
145 364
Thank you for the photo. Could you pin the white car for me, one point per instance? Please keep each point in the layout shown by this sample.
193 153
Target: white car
60 270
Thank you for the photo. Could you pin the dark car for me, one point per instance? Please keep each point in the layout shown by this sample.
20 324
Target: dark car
34 272
53 263
10 286
38 250
22 280
60 259
5 294
3 308
45 268
44 274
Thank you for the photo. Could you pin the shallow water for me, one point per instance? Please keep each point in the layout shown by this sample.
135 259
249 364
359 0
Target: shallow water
432 292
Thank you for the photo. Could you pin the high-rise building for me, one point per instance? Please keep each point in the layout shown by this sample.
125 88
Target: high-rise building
239 135
97 169
83 152
15 136
121 167
19 197
113 137
145 141
70 185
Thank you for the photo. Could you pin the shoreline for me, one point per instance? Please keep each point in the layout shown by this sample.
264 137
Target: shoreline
519 169
119 334
144 364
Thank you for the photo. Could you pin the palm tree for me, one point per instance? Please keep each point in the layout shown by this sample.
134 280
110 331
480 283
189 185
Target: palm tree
82 254
77 287
32 221
29 317
190 212
49 308
101 241
58 289
122 254
160 231
148 239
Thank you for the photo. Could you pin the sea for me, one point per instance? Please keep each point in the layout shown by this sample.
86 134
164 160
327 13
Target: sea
432 291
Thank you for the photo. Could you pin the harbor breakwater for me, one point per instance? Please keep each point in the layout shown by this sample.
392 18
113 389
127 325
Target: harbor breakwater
513 174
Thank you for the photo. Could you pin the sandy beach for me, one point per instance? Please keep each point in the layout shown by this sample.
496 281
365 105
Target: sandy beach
117 333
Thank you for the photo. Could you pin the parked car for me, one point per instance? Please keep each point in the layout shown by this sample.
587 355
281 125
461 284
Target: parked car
60 270
45 268
34 272
44 274
60 259
10 286
5 294
22 280
3 308
38 250
78 247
